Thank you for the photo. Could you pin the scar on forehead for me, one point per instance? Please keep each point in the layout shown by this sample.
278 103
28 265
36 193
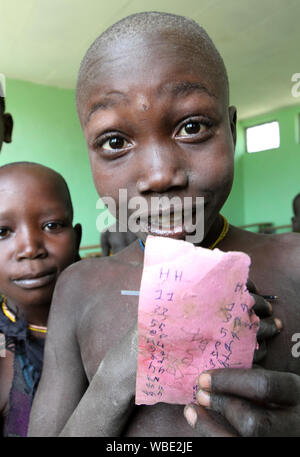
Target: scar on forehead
142 102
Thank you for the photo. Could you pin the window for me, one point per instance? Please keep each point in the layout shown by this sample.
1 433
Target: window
262 137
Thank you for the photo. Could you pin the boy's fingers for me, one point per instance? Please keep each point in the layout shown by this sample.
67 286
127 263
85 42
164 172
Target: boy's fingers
203 424
261 306
249 419
260 353
251 287
268 327
259 385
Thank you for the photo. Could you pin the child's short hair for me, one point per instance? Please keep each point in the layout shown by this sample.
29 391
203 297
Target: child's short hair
59 177
151 22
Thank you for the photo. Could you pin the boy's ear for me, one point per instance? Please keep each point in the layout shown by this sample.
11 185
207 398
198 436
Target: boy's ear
232 120
78 235
8 127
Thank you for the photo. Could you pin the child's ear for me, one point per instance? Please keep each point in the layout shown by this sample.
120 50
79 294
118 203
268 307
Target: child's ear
78 235
232 120
8 127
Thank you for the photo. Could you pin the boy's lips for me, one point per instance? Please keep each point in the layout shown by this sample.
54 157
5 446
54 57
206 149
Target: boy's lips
35 280
174 224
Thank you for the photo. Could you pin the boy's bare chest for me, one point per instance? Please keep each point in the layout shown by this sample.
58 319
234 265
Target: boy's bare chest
110 314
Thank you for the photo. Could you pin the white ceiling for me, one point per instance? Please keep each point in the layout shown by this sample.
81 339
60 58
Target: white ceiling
43 41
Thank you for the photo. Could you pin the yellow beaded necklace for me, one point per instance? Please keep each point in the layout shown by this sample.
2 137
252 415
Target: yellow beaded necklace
12 318
222 234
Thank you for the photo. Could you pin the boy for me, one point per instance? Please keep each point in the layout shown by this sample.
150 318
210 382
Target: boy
152 98
37 242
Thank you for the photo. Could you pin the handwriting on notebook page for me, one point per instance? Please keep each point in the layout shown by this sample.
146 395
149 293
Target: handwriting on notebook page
195 314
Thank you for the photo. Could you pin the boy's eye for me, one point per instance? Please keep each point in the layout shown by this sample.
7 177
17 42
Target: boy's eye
111 145
51 226
4 232
115 143
191 128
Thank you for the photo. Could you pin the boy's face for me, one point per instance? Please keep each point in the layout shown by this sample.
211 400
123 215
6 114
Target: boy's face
157 123
37 240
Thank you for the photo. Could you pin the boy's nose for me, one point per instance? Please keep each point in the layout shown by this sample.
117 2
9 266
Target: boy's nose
161 171
29 246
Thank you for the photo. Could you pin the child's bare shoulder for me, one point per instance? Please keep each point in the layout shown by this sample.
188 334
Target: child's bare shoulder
287 247
280 252
291 240
279 244
96 277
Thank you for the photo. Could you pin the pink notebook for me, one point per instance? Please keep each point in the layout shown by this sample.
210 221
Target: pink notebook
194 315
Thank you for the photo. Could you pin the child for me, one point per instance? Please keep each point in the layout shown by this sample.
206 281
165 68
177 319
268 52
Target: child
37 242
152 99
6 121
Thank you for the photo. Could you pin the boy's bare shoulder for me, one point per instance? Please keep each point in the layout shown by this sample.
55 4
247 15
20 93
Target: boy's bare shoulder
276 251
288 243
89 276
291 240
269 251
288 251
285 246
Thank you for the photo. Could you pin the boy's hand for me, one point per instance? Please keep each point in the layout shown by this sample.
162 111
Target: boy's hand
269 326
255 402
239 422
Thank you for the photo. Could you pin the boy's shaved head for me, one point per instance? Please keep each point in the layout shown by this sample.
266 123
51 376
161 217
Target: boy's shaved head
140 25
44 173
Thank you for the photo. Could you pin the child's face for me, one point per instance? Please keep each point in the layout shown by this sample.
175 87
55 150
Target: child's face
157 123
37 240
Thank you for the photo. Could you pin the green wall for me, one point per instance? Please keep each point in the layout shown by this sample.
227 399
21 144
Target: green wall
271 178
47 131
234 209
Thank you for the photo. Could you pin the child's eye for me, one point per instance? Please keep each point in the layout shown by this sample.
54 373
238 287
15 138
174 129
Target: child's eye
4 232
52 226
115 142
193 128
111 145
